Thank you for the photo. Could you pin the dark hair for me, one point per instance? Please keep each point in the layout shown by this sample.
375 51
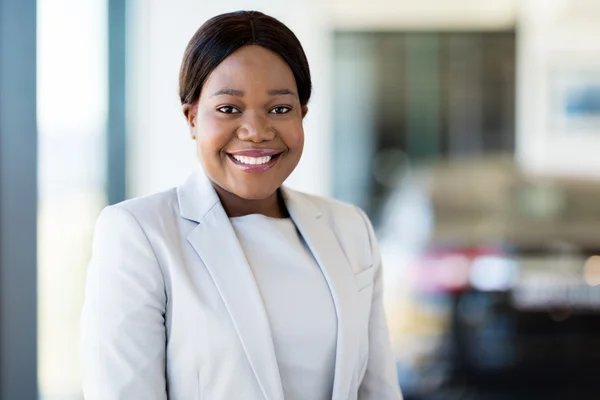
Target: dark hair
222 35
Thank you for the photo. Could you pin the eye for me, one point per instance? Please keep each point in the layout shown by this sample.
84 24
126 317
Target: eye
280 110
228 110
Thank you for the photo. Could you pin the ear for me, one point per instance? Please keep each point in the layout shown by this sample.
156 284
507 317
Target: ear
304 111
190 111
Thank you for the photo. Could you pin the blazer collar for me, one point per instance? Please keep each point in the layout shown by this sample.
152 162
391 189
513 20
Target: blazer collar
196 196
216 243
325 247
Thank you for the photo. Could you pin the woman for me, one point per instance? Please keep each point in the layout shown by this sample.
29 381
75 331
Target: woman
232 286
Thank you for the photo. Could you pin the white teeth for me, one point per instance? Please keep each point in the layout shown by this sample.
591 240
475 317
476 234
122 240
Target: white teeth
252 160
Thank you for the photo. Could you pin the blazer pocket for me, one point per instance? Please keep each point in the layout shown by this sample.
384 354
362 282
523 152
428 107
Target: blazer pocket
364 278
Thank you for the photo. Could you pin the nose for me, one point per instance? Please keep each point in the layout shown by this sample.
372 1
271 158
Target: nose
255 127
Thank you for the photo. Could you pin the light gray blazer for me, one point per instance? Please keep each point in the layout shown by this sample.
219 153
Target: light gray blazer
172 310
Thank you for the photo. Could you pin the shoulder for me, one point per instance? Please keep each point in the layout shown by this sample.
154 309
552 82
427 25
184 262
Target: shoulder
338 212
135 228
328 207
157 203
141 211
145 207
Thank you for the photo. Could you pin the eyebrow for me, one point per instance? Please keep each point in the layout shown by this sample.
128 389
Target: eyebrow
239 93
281 92
229 92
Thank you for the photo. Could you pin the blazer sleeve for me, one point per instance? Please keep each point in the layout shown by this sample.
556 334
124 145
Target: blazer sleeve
381 378
123 336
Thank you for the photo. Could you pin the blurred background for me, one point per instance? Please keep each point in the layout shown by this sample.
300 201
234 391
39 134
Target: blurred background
468 130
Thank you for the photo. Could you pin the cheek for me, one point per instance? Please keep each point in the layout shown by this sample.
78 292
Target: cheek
294 137
212 136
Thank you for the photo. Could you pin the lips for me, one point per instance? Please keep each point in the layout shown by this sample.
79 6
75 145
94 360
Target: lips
255 160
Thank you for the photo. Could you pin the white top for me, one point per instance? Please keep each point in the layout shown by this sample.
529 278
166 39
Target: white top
305 333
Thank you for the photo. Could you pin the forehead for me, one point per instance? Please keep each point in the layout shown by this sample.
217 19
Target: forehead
251 68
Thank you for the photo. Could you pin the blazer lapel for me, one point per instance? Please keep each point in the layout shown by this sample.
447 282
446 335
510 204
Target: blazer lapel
216 243
326 249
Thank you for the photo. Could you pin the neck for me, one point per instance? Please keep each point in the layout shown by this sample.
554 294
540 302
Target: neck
235 206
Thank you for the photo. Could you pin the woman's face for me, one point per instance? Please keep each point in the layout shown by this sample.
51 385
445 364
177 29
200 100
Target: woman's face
248 123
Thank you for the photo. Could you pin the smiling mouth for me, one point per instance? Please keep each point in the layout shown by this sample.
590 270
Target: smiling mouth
253 160
254 163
